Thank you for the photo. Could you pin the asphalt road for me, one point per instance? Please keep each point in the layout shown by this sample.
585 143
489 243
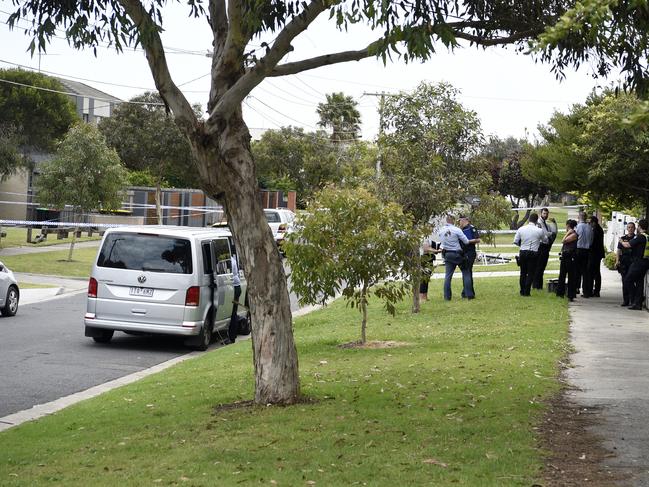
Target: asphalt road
45 355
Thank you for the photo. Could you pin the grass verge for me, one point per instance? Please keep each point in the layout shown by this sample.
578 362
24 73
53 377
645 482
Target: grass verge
54 263
33 285
456 405
17 237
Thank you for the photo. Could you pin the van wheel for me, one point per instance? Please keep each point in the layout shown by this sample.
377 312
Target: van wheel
11 302
103 336
202 341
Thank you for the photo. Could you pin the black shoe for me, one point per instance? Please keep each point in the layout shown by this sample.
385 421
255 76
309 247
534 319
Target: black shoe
624 305
636 307
560 296
571 299
584 296
596 295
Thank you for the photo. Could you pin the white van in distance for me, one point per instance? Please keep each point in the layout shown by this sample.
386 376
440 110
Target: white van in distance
164 280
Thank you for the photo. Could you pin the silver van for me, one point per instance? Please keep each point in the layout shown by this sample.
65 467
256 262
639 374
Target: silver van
165 280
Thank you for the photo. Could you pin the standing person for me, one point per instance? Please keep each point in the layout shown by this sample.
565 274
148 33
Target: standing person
568 264
528 238
634 278
233 328
427 251
597 253
470 253
624 256
584 242
450 237
544 249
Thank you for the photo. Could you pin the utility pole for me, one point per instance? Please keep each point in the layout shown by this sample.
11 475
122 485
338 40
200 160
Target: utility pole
381 125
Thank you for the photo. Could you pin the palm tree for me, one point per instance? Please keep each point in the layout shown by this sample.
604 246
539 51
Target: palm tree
339 112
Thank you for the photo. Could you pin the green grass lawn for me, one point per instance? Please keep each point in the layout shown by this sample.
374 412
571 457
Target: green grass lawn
54 263
17 237
508 238
456 404
490 250
34 285
511 266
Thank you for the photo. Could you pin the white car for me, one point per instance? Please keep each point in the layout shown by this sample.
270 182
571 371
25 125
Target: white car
9 292
281 223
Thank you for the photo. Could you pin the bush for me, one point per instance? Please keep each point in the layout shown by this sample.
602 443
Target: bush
609 261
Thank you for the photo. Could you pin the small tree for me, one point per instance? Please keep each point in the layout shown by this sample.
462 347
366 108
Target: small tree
84 174
147 139
350 243
426 157
493 211
39 116
10 157
340 113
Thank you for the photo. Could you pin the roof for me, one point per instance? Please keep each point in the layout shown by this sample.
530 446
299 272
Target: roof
84 90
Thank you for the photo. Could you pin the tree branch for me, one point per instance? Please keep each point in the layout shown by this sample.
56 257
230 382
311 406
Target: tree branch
155 54
218 21
325 60
282 45
482 41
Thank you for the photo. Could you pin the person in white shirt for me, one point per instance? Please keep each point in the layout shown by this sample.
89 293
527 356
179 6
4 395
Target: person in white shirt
529 237
549 226
451 239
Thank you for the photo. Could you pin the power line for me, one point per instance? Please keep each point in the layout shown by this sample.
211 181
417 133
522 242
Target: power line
282 114
108 100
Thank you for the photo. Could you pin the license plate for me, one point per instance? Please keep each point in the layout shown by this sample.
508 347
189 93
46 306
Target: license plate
147 292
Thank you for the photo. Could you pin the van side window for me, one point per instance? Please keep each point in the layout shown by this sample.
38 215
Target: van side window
222 252
207 258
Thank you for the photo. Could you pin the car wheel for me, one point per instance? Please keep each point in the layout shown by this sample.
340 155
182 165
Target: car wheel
103 336
204 338
11 302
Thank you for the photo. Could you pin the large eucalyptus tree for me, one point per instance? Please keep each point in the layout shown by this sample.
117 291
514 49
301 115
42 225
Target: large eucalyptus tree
221 142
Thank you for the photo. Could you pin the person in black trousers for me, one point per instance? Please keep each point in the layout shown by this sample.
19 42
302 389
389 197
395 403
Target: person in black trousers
528 238
568 262
544 249
597 253
635 276
584 242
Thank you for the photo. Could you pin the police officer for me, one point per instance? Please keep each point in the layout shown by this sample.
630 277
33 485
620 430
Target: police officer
544 249
597 253
528 238
470 253
584 243
450 237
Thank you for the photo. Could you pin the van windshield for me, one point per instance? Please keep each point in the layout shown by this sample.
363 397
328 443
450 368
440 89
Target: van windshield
145 252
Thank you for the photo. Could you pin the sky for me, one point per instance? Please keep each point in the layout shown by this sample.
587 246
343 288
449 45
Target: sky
511 93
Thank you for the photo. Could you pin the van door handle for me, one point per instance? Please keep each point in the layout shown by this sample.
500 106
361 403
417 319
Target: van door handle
138 311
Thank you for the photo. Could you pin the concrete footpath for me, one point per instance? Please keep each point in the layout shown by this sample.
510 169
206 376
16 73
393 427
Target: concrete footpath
611 373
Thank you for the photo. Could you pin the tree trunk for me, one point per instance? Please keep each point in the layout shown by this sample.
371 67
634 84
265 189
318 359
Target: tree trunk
364 311
227 169
415 280
74 239
158 206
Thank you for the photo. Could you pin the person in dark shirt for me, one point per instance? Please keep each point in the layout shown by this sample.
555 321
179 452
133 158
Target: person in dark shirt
623 256
568 266
597 253
470 253
548 225
634 278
